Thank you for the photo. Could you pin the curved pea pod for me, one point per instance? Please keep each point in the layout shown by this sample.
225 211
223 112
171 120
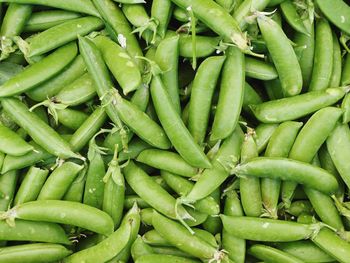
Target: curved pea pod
292 108
292 17
39 252
180 237
174 127
11 143
269 230
168 161
78 92
62 34
8 183
29 78
32 231
205 46
305 250
71 118
290 170
338 12
122 66
283 56
157 258
258 69
271 254
74 213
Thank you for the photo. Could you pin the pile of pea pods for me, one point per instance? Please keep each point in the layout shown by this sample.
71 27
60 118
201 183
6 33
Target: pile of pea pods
174 131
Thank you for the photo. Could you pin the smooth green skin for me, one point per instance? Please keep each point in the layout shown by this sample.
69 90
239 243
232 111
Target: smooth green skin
140 248
114 17
80 6
180 14
131 199
205 46
8 182
171 251
258 69
153 238
213 177
31 158
31 185
338 12
231 94
71 118
37 129
33 253
272 255
338 144
8 70
168 161
107 248
202 92
55 84
323 61
244 9
236 247
180 237
88 129
78 92
305 250
183 186
65 212
227 4
11 143
29 77
300 207
218 20
263 133
135 147
136 14
250 190
167 58
15 19
76 190
289 170
174 127
250 97
292 108
279 145
345 106
263 229
43 20
33 231
122 66
274 89
306 55
156 258
345 76
61 34
333 245
59 181
292 17
162 10
213 223
337 63
275 2
283 56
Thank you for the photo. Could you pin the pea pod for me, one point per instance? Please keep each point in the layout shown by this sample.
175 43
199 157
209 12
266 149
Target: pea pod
8 183
337 63
161 11
13 144
243 9
263 252
156 258
345 77
290 13
258 69
71 118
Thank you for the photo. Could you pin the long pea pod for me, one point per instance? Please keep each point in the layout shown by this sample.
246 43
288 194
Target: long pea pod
263 252
161 10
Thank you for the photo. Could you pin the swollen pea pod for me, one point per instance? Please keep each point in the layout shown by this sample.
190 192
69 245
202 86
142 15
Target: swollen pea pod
41 133
31 185
8 182
168 161
178 236
71 118
231 95
269 230
263 133
174 128
80 6
43 20
11 143
279 145
32 231
122 66
290 13
161 10
245 8
205 45
292 108
311 137
167 58
39 252
323 61
271 254
55 84
249 187
51 65
64 212
283 56
258 69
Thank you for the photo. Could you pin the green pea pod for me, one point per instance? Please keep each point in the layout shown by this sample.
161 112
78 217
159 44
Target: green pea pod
263 252
32 231
140 248
121 65
31 185
337 63
153 238
161 10
345 105
345 77
300 207
8 183
292 108
174 128
283 56
28 78
258 69
39 252
13 144
231 95
71 118
204 47
136 146
171 251
263 133
213 223
250 97
41 133
40 21
75 191
292 17
130 200
156 258
245 7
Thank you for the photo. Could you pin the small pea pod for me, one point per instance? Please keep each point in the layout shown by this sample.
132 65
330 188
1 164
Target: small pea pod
271 254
